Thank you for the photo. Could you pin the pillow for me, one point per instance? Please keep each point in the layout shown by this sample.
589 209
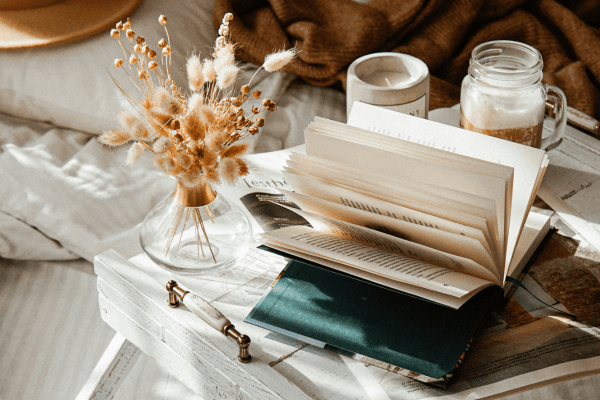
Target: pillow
70 85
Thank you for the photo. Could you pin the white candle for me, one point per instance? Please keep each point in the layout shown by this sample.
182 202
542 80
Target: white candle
386 78
392 80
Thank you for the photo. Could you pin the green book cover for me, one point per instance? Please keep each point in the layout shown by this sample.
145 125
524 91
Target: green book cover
358 316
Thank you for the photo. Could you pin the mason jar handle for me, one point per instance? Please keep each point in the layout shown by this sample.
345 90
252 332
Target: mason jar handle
556 96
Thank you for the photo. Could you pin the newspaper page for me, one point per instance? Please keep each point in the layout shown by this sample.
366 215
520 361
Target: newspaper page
528 344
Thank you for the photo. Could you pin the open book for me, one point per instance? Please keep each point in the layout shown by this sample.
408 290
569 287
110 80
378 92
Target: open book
435 212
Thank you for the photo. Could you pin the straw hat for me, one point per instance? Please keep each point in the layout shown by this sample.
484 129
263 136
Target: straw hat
34 23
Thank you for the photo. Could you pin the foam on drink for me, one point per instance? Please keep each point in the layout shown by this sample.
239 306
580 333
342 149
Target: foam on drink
517 116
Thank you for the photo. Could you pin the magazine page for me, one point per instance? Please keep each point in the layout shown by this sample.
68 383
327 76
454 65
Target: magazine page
525 160
432 238
256 194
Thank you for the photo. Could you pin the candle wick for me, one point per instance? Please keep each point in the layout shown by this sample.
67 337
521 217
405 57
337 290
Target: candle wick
388 82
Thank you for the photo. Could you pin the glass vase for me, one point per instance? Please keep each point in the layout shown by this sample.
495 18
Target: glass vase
195 231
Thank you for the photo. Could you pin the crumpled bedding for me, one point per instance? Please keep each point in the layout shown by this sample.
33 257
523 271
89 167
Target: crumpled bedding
64 196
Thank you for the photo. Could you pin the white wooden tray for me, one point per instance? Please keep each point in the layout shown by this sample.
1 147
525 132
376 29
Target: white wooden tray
134 303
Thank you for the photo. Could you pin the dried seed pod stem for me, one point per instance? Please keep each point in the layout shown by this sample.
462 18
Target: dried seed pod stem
160 79
146 146
278 60
250 81
127 56
168 45
187 136
134 153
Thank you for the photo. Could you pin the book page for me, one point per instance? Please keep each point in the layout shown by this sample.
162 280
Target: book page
465 163
382 185
541 173
419 196
397 245
432 238
436 156
536 227
377 261
415 290
418 204
359 201
525 160
447 194
386 161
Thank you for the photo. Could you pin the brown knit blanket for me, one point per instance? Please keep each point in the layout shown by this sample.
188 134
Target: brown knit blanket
442 33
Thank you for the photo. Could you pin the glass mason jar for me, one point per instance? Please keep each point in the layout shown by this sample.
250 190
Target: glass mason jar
503 95
195 231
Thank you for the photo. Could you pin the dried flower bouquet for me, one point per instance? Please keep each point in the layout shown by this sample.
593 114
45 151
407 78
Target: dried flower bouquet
195 139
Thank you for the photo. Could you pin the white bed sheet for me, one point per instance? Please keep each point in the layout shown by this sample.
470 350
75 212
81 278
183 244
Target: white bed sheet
63 196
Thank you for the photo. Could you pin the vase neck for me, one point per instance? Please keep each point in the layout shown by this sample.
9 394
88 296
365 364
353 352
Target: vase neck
197 196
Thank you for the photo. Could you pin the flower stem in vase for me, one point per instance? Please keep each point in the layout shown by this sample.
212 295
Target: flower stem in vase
199 218
195 216
190 200
196 139
187 217
176 221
